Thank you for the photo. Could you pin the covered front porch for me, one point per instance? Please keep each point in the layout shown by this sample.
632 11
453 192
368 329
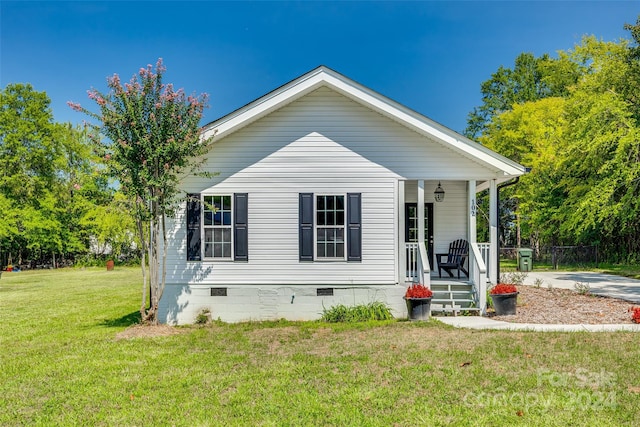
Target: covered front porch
448 214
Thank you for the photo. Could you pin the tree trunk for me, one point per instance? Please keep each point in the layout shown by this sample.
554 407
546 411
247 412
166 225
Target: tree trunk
153 273
143 266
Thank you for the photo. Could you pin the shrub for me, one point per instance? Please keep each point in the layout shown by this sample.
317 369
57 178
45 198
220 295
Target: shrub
203 317
515 277
358 313
582 288
635 314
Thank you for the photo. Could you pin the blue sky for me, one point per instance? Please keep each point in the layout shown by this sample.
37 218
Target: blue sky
430 56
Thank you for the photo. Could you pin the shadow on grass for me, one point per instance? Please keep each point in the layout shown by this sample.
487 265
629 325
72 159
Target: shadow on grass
126 320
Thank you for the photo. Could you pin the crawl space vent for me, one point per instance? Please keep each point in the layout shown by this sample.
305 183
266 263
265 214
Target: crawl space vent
218 292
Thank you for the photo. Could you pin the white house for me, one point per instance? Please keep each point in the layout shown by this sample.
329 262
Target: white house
316 187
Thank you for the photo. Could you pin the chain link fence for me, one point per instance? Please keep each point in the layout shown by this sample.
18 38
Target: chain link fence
558 255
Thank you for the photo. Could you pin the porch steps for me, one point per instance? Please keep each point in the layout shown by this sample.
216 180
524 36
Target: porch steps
453 297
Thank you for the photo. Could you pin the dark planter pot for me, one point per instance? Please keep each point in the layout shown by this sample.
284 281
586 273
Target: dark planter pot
505 304
419 308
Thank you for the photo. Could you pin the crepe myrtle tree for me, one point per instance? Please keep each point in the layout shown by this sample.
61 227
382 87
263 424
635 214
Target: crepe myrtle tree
153 138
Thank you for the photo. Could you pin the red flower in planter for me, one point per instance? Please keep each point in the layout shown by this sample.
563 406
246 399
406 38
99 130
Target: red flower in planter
502 288
418 291
635 314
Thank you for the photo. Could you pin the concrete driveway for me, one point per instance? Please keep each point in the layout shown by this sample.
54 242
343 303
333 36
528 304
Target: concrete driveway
599 283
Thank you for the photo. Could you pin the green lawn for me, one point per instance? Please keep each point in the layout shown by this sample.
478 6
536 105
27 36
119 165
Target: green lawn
61 364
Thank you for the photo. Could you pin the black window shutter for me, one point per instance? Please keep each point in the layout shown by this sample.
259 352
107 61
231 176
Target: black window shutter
305 213
354 227
240 232
194 210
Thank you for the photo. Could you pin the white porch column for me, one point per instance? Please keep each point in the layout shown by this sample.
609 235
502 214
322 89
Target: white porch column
402 250
493 232
425 260
420 210
472 229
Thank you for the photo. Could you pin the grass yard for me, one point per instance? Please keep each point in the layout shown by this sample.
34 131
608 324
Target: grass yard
61 364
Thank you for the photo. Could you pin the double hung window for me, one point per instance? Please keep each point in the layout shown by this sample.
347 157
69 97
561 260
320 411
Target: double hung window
217 224
217 227
330 231
330 227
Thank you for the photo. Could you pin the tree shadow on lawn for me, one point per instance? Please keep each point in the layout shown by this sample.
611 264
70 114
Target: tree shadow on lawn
124 321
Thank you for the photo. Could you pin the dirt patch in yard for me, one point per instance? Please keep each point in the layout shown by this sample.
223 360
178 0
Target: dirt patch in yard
149 331
565 306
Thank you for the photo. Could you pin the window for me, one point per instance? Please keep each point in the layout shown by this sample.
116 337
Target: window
217 227
217 222
330 227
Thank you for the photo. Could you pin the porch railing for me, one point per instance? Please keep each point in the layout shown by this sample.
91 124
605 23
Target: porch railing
418 268
485 250
480 275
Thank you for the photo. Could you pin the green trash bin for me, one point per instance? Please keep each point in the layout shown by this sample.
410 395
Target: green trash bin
525 259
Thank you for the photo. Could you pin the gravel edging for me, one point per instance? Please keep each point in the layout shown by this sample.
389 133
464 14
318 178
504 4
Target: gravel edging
564 306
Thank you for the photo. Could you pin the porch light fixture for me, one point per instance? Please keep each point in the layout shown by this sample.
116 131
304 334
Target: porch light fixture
439 193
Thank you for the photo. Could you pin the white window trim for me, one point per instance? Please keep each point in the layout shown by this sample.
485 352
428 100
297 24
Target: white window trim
315 228
203 227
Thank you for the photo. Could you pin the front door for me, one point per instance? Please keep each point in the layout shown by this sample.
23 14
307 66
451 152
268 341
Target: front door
411 226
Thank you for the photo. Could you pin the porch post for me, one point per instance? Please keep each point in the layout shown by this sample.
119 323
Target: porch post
420 210
426 279
493 232
472 230
402 250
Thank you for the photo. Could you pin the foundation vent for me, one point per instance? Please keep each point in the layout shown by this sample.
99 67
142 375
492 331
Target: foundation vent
218 292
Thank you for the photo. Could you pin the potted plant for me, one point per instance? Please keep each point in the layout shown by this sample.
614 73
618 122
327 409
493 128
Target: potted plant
418 299
504 298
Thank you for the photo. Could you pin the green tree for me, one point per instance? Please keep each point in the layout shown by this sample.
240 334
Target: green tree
533 135
530 79
28 143
584 151
48 179
152 139
29 148
602 164
112 228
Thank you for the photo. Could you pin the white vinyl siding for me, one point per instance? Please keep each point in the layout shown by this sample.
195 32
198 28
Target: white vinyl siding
323 143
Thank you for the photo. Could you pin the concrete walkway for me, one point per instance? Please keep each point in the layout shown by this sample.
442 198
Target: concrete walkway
600 284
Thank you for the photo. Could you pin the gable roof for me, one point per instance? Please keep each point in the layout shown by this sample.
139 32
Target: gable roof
324 76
